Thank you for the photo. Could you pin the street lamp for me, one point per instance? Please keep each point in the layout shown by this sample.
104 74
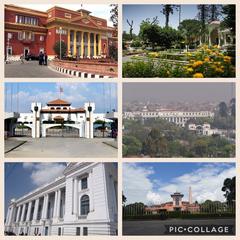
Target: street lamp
60 32
36 109
8 41
89 110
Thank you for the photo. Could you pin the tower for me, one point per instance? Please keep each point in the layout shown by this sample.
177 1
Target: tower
190 195
177 200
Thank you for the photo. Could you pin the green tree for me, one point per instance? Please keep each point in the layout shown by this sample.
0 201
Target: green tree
56 48
190 29
215 11
229 20
223 109
113 52
167 10
203 16
114 14
132 146
155 144
229 187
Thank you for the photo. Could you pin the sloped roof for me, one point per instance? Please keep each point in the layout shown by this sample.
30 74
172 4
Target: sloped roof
58 102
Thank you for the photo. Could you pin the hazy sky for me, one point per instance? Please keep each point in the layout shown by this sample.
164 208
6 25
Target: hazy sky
170 92
98 10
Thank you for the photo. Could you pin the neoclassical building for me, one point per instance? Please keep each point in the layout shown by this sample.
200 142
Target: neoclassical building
82 201
56 117
30 31
178 117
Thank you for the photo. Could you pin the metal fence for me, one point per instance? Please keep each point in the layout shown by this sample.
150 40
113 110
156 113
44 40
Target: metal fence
215 209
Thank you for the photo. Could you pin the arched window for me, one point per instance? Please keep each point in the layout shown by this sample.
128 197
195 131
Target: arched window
84 205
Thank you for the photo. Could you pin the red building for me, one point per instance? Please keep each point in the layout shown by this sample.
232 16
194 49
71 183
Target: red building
30 31
176 205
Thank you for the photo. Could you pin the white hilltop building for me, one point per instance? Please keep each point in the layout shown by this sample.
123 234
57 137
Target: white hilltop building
82 201
178 117
57 114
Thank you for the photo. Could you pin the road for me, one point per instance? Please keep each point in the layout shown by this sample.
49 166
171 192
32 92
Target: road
157 227
60 147
30 69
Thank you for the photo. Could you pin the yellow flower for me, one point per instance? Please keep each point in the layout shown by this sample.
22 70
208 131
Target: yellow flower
198 75
190 69
219 70
206 59
197 64
227 59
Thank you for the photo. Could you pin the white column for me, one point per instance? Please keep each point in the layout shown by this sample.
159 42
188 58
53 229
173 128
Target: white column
23 211
11 215
75 195
18 214
29 211
58 204
90 187
35 213
55 204
45 208
8 215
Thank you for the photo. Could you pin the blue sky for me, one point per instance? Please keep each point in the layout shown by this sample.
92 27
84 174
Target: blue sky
153 183
140 12
98 10
19 96
21 178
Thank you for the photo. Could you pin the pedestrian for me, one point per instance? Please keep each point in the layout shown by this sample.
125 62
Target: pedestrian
40 58
22 58
45 58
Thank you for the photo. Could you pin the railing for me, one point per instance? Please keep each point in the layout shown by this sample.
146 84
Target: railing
208 210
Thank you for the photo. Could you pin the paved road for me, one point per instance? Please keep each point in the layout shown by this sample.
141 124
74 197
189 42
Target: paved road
61 147
30 69
157 227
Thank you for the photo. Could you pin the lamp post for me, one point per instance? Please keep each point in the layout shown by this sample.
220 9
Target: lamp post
89 110
8 40
35 109
60 33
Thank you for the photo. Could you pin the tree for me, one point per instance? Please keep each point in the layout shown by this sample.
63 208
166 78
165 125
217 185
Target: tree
167 10
223 109
131 28
124 199
155 144
214 12
114 15
56 48
190 29
233 107
203 15
229 187
229 20
113 52
132 146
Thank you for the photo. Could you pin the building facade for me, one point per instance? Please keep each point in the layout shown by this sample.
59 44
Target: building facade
177 204
178 117
29 32
83 201
58 116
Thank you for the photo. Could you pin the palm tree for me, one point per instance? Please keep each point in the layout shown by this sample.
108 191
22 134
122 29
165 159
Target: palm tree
167 10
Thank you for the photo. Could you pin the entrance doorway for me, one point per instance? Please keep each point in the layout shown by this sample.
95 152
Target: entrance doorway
26 51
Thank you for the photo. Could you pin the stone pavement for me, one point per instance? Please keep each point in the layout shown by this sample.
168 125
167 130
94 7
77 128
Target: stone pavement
30 69
62 147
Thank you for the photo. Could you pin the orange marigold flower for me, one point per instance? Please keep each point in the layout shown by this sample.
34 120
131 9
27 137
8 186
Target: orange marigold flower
198 75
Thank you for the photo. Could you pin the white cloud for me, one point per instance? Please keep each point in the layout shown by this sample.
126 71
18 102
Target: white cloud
42 173
206 183
136 182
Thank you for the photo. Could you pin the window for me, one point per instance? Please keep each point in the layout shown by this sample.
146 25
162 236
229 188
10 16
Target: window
84 205
68 15
26 20
84 183
78 231
59 231
41 38
85 231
